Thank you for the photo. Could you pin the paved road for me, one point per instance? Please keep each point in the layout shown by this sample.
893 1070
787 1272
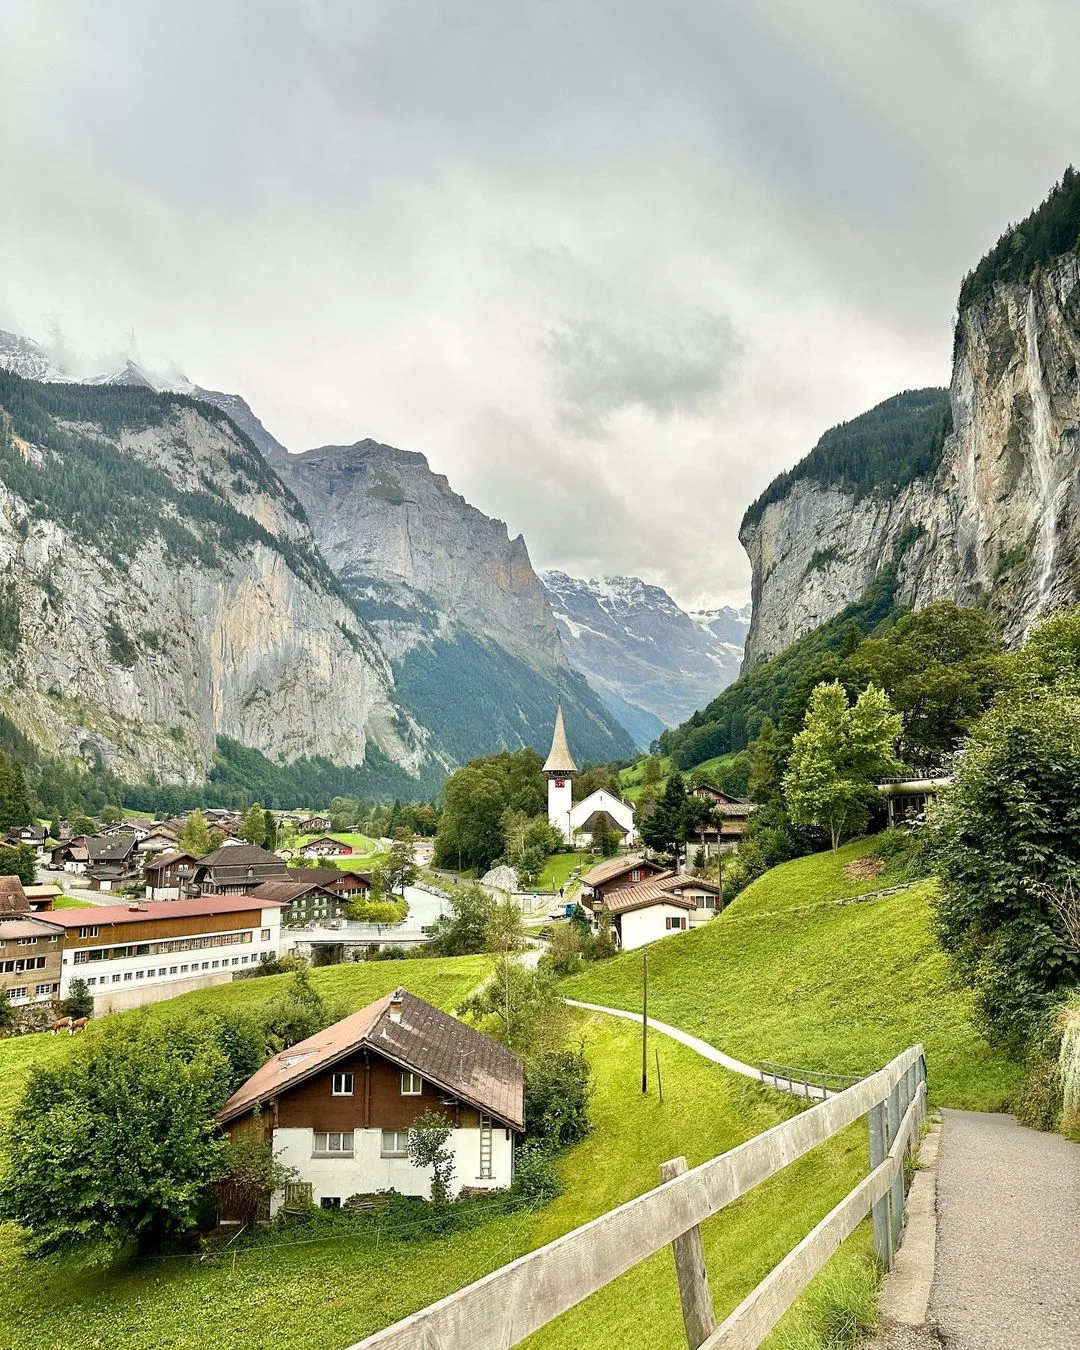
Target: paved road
1008 1246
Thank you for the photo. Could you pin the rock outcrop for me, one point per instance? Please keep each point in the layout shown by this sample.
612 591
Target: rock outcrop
997 523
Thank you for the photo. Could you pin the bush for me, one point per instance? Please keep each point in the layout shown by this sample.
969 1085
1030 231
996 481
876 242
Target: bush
558 1086
1040 1100
378 911
535 1177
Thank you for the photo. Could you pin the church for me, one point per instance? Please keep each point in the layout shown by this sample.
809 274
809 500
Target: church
576 820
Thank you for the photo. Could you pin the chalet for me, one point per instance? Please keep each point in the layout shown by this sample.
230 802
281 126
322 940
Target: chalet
343 882
71 854
615 875
33 835
140 829
325 847
313 825
30 957
648 911
160 839
139 953
13 901
338 1106
112 861
235 869
169 875
908 798
305 901
732 814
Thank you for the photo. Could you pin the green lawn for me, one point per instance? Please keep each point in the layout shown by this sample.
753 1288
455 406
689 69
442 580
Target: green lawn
443 981
558 867
783 975
630 778
69 902
324 1295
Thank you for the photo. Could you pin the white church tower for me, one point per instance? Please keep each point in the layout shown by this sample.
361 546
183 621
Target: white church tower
560 768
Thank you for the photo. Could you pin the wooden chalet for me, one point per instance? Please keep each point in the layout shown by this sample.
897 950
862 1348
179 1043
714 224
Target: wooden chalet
670 903
168 876
305 902
615 875
325 847
235 869
343 882
337 1107
732 814
313 825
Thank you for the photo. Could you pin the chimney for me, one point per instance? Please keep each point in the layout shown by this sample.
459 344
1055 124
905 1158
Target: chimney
397 998
136 908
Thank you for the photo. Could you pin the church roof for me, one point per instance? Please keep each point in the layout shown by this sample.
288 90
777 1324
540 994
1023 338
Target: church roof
559 759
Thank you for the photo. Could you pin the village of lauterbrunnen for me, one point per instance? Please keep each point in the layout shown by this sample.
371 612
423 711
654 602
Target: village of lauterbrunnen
649 921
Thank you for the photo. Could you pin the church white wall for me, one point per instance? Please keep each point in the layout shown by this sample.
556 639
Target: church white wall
602 800
560 805
646 925
367 1171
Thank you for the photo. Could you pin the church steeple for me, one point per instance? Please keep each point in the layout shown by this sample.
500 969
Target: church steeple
559 760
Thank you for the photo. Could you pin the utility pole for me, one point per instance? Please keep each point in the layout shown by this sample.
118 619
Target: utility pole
644 1019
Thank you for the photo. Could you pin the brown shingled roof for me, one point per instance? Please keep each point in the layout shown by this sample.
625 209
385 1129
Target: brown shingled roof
287 891
448 1053
617 867
658 891
12 897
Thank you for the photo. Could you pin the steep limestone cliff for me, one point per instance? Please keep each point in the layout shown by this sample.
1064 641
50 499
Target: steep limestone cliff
159 588
997 522
454 602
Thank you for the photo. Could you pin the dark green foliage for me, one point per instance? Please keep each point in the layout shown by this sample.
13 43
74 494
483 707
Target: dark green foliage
666 827
18 860
79 1002
471 827
9 618
536 1178
1049 231
558 1086
121 648
464 930
1006 843
880 451
15 800
476 699
734 718
269 839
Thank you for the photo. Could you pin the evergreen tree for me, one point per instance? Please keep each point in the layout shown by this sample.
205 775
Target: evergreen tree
269 839
253 829
664 829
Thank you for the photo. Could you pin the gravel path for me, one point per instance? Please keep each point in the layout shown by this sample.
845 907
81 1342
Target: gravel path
1008 1245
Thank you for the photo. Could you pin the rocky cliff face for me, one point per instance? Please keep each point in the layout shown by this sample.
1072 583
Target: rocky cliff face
454 602
420 560
997 523
653 663
159 588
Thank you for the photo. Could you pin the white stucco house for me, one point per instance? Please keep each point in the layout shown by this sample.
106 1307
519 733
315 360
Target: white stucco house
338 1106
659 907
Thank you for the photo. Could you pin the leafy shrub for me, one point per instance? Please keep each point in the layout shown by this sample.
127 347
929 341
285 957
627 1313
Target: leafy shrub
558 1086
536 1179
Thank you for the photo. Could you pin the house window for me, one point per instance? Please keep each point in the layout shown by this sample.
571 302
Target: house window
395 1143
127 974
678 921
80 957
412 1085
26 942
333 1143
116 979
635 875
88 932
343 1085
265 935
17 993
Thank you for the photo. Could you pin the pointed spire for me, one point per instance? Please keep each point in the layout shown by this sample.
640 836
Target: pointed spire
559 759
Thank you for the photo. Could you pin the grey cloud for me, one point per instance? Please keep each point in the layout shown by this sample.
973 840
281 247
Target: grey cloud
605 366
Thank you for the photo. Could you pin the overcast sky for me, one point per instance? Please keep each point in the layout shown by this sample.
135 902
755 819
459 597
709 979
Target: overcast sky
610 265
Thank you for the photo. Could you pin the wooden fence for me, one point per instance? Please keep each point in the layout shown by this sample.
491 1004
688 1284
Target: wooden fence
503 1308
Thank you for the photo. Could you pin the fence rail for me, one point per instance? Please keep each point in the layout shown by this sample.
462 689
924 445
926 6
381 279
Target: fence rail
787 1078
505 1307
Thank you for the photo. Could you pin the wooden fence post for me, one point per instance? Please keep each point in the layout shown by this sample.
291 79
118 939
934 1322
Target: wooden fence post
896 1191
878 1150
694 1294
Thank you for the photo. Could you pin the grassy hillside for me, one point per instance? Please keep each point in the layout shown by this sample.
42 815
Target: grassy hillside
325 1294
442 981
787 975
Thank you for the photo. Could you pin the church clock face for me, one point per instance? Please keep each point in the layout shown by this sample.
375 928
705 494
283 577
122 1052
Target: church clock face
560 782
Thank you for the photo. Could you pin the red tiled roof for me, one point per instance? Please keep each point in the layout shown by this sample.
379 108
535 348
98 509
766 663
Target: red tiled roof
12 896
157 909
448 1053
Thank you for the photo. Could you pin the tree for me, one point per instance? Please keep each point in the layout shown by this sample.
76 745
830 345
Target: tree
253 1174
505 932
520 1007
604 839
429 1146
398 867
464 930
18 860
269 836
563 954
477 797
79 1001
117 1143
78 823
195 836
111 815
665 828
652 770
253 827
298 1013
768 759
1005 842
838 756
15 807
7 1012
558 1086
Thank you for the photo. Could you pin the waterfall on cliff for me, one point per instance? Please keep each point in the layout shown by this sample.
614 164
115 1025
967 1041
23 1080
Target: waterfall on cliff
1044 465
